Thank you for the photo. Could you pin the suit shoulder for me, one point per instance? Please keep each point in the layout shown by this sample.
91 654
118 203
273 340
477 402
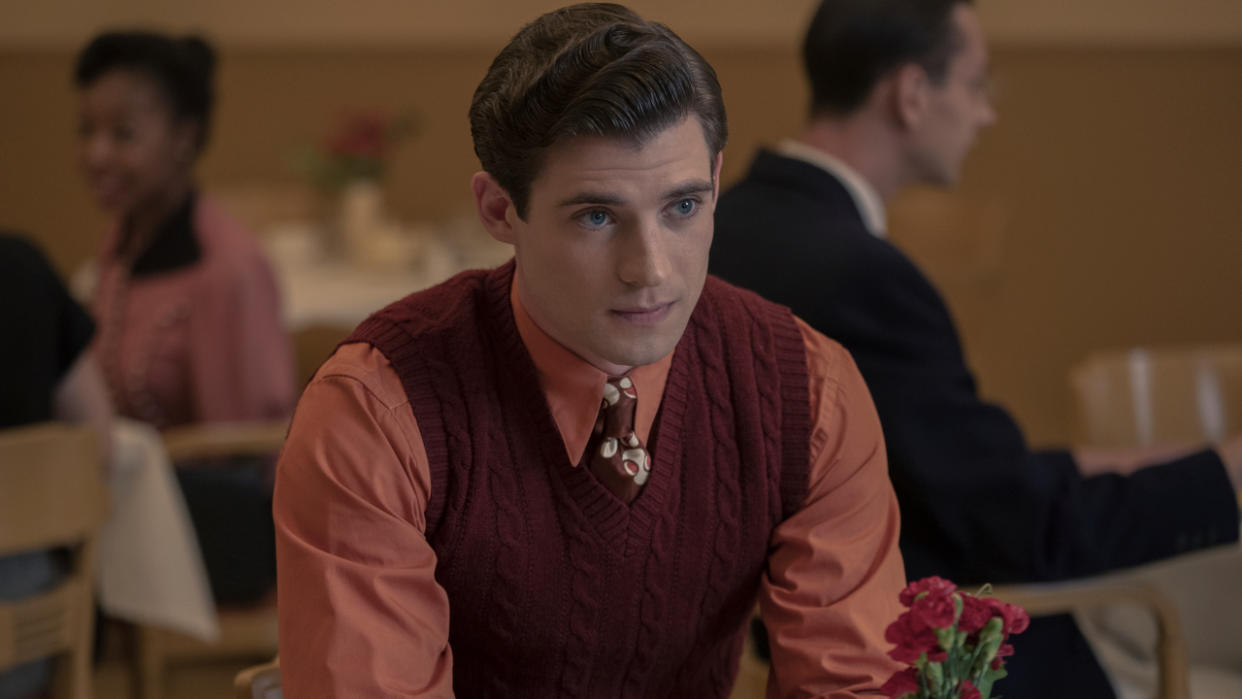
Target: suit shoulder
20 258
822 348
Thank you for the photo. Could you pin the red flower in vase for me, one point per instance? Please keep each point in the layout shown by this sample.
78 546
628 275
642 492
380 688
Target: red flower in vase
357 148
363 135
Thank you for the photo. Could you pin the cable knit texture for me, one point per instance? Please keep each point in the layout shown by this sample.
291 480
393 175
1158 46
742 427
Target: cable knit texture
557 588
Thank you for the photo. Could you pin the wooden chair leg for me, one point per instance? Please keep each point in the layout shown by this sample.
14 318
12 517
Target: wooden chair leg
81 666
149 677
73 675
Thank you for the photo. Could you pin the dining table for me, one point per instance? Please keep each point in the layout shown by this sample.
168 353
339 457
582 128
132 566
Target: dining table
150 570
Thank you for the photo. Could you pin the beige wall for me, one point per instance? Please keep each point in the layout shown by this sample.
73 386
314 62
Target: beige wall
1102 210
471 22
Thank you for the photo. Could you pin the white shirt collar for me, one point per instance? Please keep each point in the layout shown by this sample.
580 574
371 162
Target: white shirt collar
865 197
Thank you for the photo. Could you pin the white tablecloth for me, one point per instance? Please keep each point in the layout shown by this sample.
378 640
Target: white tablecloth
321 289
317 288
150 568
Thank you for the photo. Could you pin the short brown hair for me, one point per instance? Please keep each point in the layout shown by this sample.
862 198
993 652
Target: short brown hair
595 69
851 44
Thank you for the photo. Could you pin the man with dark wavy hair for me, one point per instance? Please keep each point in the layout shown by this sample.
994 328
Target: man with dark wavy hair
575 474
898 93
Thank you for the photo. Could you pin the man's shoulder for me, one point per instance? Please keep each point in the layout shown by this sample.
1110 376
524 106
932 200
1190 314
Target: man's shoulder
732 309
19 254
797 186
27 273
432 323
366 366
789 212
444 325
445 305
719 292
801 255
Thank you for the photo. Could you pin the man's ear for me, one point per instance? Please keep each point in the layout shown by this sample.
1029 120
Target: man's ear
494 206
909 94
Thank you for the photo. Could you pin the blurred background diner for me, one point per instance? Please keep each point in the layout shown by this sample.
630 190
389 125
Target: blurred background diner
1090 254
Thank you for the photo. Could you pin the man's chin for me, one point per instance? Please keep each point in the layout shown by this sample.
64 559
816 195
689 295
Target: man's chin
643 354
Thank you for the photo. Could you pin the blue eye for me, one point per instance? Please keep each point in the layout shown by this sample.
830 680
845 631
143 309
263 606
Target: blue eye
685 207
595 218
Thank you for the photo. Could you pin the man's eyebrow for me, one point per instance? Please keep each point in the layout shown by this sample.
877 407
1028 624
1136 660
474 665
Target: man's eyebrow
592 198
685 190
608 199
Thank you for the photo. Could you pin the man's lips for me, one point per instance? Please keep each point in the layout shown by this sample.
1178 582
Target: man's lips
645 314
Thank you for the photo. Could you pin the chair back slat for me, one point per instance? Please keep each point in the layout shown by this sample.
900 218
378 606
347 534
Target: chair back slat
52 496
51 490
42 626
1157 396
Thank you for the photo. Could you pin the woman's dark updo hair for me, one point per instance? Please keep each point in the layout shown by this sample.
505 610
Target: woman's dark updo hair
182 68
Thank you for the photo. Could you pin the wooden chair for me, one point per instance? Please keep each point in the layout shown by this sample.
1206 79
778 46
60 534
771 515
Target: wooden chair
259 682
1174 396
1069 597
52 496
1155 396
244 631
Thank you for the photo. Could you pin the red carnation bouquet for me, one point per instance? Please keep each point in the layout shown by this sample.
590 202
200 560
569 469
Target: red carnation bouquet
954 642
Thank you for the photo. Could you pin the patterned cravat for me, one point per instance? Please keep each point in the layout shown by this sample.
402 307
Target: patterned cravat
615 455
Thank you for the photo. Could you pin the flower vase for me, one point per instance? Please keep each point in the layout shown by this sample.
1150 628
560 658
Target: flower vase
360 216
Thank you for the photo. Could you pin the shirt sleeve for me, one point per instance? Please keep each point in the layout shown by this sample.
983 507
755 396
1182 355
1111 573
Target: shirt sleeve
361 614
834 571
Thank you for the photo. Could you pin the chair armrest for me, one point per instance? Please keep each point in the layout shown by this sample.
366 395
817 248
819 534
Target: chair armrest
1061 598
259 682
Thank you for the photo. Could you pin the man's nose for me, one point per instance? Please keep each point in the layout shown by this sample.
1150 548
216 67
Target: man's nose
644 260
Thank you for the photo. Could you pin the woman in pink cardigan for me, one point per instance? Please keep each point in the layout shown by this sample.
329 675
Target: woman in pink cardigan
189 317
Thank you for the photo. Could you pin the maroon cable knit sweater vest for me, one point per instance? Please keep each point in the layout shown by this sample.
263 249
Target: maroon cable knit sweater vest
556 588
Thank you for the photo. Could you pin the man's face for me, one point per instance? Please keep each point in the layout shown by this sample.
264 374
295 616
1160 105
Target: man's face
612 255
955 109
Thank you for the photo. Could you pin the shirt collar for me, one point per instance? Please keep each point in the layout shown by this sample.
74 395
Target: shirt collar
865 197
173 246
574 388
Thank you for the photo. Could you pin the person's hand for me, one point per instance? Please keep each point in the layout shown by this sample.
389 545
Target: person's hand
1093 461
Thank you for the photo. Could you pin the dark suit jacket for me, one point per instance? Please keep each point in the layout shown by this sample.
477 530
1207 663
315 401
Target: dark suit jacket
977 504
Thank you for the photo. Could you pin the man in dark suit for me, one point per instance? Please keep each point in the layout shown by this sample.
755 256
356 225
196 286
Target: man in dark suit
899 89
